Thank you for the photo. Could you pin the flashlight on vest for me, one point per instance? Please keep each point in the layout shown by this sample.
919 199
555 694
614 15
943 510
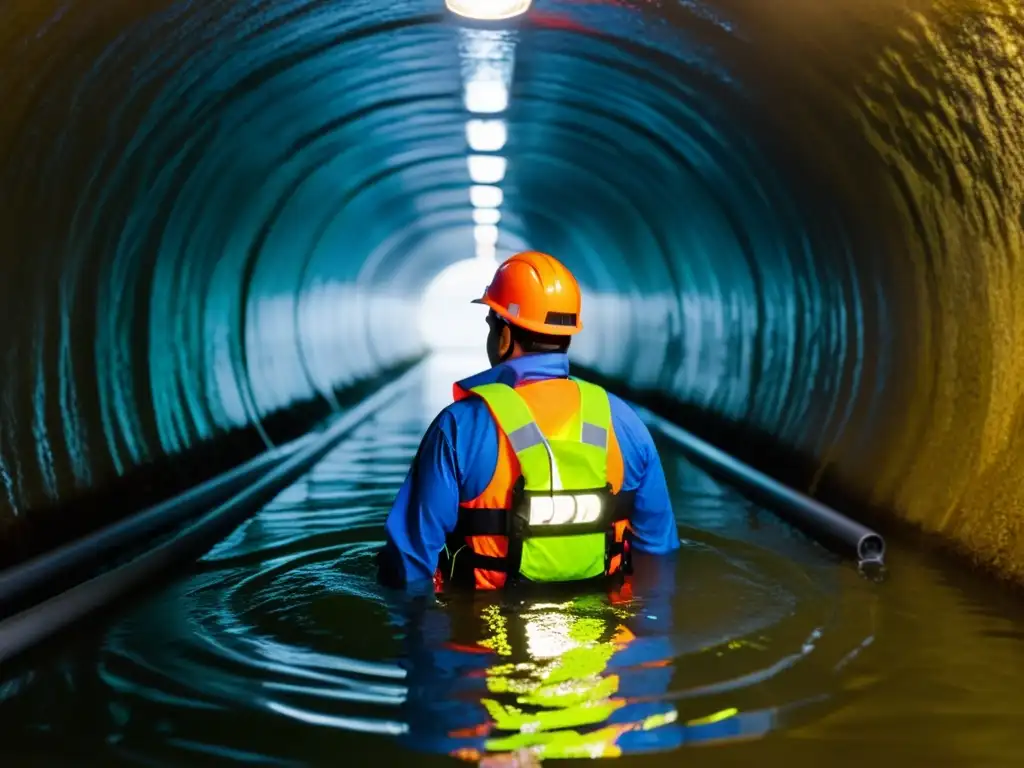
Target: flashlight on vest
565 509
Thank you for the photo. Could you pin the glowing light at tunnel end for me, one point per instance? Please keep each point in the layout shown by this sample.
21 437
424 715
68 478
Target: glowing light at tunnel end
447 319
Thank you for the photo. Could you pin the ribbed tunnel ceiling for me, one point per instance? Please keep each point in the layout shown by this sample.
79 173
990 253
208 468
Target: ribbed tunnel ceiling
804 217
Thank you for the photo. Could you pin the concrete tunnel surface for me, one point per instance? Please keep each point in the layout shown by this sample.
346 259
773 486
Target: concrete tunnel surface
796 223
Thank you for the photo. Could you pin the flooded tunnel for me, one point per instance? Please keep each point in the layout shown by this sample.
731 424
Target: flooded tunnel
798 230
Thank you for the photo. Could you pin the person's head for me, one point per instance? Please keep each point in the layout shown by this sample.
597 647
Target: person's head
534 306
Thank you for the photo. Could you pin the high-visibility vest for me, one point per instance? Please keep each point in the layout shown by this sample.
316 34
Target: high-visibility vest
551 512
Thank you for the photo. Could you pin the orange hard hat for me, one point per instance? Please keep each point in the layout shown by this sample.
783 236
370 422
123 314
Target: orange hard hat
536 292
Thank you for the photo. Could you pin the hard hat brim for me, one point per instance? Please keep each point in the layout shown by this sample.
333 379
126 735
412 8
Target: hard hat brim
529 325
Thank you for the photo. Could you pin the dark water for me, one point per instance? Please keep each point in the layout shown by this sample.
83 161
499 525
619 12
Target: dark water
278 648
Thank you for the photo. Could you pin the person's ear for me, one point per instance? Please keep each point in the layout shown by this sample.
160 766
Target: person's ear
505 341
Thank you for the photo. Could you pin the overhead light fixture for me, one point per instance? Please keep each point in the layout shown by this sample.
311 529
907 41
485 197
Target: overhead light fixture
485 234
486 96
485 251
485 196
486 169
486 135
488 10
486 215
487 64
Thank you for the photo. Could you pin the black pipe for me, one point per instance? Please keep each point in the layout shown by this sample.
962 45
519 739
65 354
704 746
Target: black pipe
23 631
819 521
30 579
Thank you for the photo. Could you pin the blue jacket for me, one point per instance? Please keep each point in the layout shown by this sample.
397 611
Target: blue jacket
457 458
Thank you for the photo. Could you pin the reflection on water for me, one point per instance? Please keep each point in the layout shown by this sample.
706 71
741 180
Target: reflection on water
280 649
602 675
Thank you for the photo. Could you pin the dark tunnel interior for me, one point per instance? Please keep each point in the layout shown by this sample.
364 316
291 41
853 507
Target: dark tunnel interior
798 220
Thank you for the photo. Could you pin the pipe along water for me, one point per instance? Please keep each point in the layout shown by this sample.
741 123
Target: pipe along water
823 523
25 630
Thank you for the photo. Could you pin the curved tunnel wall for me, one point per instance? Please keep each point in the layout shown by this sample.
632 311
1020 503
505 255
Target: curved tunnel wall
802 218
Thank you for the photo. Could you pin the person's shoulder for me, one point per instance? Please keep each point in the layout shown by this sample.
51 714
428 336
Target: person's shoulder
467 407
468 430
624 412
630 429
465 411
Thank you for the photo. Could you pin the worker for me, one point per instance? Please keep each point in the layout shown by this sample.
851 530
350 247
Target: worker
530 475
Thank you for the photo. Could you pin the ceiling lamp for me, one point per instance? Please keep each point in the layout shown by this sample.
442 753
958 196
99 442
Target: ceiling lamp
488 10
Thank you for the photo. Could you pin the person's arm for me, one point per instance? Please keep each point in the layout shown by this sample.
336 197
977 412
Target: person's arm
425 510
653 521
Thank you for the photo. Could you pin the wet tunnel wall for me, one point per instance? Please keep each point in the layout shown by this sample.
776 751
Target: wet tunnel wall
803 219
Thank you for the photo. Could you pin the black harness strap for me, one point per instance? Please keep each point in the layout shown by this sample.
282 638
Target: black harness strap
495 522
481 522
624 503
515 529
